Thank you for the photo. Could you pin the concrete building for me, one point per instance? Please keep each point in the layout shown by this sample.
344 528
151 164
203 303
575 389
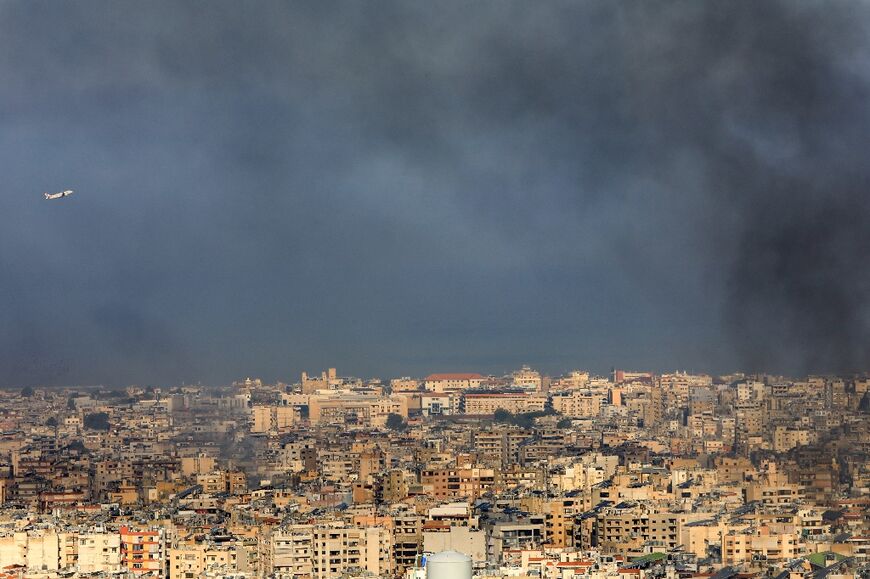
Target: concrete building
516 403
99 553
527 379
354 409
142 551
578 403
453 382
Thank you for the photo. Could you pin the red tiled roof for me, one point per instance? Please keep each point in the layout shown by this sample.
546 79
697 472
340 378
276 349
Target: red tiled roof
454 376
499 395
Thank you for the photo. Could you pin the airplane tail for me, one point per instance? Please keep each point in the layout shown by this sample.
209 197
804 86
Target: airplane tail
46 195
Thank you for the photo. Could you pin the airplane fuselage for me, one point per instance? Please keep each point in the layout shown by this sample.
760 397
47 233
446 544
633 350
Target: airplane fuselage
60 195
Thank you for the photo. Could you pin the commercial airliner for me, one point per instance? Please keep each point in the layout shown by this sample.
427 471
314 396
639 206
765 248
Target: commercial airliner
60 195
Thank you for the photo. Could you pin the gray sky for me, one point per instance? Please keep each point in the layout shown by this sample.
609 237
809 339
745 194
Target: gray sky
407 187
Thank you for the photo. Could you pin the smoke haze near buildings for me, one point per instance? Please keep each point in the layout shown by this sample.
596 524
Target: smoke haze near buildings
400 188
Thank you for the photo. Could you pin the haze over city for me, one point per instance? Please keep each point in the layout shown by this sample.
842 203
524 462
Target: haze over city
407 187
435 289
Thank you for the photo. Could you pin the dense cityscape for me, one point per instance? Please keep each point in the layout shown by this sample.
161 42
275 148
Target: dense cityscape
448 289
633 475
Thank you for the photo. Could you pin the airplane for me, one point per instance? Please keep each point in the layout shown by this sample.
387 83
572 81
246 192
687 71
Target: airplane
60 195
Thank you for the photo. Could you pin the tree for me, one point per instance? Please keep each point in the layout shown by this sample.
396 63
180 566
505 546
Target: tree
502 415
97 421
564 423
27 391
526 420
395 422
71 403
52 422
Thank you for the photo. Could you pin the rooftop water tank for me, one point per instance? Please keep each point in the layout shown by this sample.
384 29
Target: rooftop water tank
448 565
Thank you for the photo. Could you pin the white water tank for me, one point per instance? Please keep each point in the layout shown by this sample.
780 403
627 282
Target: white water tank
448 565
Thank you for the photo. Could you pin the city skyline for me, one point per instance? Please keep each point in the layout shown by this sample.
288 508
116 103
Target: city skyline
630 476
498 375
576 289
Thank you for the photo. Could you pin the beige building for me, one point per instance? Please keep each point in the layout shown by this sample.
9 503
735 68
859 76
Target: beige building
750 418
273 418
579 476
222 481
575 380
784 439
405 384
698 537
35 550
194 465
327 551
484 404
39 549
327 380
299 455
445 537
578 403
527 378
291 551
457 482
774 489
743 546
453 382
189 560
630 529
99 553
353 409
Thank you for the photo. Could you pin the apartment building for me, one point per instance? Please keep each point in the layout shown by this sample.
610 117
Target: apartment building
578 403
330 550
516 403
451 483
453 382
785 438
355 409
526 378
142 551
630 529
273 418
99 552
743 546
191 559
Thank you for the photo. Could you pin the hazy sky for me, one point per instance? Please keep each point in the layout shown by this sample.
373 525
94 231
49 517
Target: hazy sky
406 187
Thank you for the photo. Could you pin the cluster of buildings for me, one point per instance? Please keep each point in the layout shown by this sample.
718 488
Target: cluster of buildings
626 476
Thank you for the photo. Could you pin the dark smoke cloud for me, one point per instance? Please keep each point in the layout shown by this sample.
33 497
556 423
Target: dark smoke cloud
799 286
774 116
398 187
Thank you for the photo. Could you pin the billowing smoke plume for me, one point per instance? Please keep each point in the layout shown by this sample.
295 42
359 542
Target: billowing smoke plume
402 187
769 102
